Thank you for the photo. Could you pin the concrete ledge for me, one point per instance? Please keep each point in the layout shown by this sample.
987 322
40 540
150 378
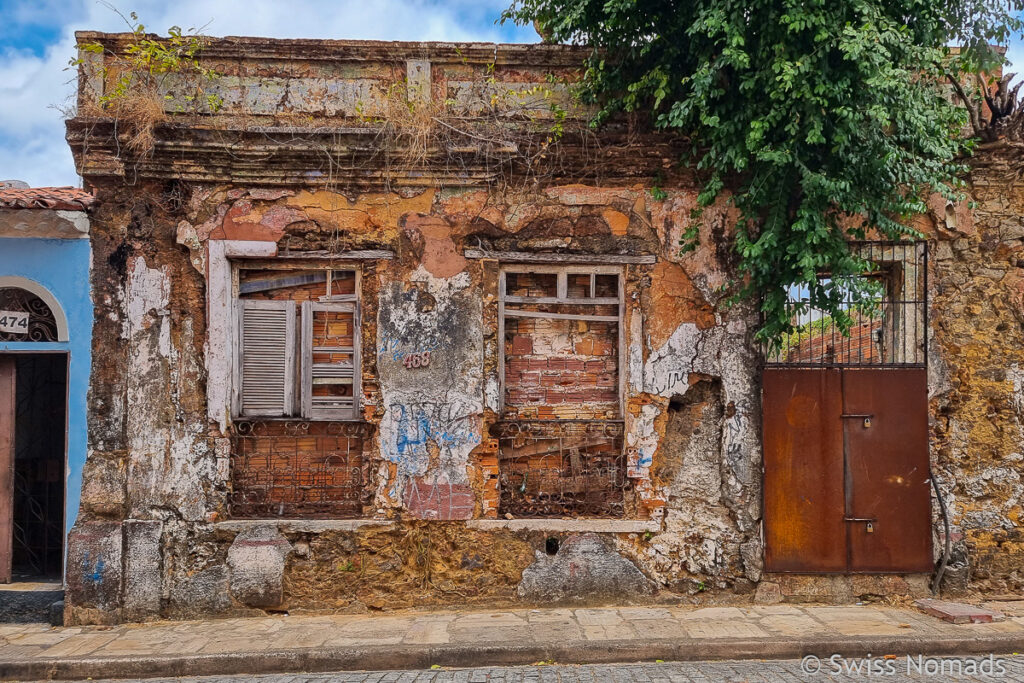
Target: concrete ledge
370 658
607 526
315 526
308 526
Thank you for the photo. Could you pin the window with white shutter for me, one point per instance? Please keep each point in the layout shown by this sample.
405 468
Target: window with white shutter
298 344
266 347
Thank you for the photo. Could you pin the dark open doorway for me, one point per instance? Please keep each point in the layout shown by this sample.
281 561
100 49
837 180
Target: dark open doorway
33 404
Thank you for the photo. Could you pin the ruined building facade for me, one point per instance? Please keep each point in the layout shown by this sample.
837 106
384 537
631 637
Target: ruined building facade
346 360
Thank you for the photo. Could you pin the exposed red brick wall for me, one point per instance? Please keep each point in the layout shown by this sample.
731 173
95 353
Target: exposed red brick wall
289 469
439 500
561 368
858 348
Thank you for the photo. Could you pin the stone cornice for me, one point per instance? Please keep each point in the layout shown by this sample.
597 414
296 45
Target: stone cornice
350 157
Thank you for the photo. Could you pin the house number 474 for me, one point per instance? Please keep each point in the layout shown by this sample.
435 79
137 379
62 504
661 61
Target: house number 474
417 360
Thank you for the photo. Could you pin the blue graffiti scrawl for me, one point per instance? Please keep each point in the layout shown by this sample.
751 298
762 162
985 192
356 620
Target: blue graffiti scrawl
93 573
421 426
413 430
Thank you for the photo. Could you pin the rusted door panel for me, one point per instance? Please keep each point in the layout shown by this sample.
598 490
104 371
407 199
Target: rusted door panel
803 471
888 502
7 408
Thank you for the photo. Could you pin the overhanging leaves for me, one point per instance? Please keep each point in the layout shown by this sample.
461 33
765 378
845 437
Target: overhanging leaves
831 118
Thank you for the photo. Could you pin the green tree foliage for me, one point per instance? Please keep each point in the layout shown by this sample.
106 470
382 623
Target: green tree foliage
819 119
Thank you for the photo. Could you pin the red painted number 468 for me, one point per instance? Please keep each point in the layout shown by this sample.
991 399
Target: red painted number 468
417 360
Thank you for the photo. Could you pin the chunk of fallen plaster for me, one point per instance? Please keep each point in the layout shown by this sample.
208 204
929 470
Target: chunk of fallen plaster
585 570
257 559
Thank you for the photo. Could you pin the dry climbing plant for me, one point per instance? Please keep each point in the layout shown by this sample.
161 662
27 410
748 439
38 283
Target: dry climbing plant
149 74
503 133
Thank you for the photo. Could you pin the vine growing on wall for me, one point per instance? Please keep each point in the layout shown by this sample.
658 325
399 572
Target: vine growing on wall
821 121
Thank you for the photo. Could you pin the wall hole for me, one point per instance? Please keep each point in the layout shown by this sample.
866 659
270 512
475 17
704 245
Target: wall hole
551 546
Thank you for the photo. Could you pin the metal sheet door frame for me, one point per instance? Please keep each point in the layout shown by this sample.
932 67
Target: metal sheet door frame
8 405
885 446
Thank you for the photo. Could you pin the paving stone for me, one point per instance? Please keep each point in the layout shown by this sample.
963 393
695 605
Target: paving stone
80 645
790 624
633 625
708 613
1011 608
620 631
597 617
958 612
427 633
643 613
722 629
866 627
658 629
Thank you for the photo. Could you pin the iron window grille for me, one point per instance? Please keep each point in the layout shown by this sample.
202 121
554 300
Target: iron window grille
889 330
296 443
298 469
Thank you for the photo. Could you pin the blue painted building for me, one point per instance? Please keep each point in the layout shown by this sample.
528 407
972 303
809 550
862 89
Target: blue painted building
46 315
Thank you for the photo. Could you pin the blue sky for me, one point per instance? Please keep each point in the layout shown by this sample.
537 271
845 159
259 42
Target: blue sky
37 40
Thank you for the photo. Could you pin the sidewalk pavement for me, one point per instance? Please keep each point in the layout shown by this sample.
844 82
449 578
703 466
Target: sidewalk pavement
418 640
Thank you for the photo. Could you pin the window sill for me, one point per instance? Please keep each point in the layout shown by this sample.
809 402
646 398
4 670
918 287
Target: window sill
272 418
311 526
610 526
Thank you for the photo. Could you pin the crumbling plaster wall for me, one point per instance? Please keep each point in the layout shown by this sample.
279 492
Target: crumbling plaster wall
151 538
157 456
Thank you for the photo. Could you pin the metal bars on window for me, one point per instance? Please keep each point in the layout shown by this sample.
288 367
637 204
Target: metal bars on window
560 443
889 327
298 469
561 468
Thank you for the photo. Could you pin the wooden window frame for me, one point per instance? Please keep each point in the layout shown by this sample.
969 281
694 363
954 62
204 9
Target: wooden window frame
561 290
299 402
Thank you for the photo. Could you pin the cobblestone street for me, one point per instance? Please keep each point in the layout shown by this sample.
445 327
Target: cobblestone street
745 671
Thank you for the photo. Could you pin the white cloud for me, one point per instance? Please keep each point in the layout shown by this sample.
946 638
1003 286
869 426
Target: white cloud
32 146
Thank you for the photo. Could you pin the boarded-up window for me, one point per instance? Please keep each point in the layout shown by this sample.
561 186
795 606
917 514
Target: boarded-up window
560 436
297 352
562 336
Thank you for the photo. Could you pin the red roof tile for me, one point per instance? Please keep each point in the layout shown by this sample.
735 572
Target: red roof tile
54 198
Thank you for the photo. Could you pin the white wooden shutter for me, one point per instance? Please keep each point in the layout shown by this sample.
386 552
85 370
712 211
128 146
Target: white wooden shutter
339 372
266 358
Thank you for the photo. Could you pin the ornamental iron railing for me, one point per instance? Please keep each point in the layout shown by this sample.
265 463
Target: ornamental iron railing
294 469
561 468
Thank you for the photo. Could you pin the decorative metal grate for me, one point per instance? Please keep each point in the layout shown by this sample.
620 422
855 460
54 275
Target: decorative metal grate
558 468
298 469
890 329
42 327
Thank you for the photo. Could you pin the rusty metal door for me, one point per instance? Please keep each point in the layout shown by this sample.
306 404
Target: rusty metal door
8 388
803 466
846 470
888 501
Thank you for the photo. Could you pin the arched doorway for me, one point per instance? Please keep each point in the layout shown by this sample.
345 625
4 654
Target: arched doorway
33 432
